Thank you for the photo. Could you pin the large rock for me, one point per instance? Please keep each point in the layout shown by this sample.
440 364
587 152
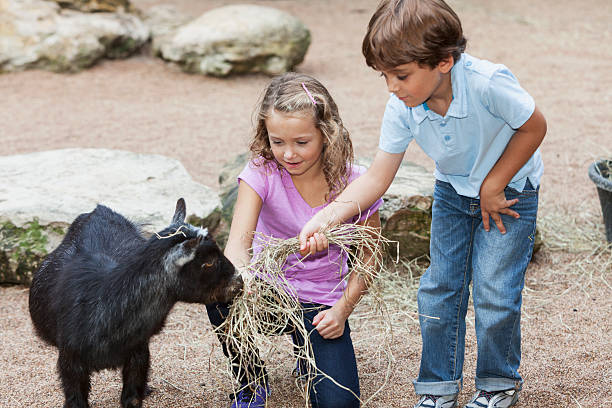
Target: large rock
237 39
38 34
163 21
405 214
42 193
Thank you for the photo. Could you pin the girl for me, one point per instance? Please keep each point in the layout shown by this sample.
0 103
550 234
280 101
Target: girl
301 160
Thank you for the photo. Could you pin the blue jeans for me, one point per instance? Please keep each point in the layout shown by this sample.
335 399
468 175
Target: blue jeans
462 252
335 357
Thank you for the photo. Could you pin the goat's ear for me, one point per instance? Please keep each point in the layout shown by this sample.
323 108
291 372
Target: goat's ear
180 212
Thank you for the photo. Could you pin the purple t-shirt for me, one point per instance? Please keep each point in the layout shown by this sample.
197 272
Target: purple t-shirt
318 278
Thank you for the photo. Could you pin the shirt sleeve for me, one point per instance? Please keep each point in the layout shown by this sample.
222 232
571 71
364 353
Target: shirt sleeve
395 134
507 100
256 178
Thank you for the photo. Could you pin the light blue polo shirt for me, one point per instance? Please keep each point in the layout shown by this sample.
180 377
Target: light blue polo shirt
488 106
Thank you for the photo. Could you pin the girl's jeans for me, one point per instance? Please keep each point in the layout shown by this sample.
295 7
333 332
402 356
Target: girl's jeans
335 357
462 252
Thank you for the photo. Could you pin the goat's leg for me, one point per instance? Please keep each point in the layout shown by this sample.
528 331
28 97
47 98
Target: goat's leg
74 375
135 373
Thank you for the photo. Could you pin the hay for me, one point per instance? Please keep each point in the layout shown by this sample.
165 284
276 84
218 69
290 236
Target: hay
575 246
178 231
268 305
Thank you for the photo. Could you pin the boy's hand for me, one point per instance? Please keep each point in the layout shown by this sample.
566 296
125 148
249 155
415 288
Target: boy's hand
311 240
493 203
316 243
330 323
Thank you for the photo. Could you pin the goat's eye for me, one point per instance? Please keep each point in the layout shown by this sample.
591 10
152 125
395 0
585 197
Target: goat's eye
208 265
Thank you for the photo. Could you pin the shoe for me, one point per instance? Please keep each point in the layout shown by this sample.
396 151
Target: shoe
248 397
494 399
437 401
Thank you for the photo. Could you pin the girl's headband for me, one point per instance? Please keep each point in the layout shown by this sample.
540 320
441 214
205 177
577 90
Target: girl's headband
309 94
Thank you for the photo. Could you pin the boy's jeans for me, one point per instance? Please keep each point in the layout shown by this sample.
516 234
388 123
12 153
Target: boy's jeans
462 251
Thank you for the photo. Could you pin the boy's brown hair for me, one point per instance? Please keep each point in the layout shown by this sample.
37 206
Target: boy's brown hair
405 31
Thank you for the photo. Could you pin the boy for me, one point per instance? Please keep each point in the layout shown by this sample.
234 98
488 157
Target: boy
483 131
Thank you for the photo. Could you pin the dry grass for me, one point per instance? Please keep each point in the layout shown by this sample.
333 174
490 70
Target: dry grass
269 305
580 259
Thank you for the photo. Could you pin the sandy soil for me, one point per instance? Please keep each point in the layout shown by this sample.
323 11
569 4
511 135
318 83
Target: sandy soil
559 49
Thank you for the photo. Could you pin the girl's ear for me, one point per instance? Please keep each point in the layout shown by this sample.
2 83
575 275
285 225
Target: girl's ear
446 64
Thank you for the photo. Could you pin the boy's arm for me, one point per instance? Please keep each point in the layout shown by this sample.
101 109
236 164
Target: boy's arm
359 194
244 221
521 147
330 322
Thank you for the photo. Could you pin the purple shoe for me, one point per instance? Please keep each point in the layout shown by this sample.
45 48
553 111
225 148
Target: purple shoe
248 397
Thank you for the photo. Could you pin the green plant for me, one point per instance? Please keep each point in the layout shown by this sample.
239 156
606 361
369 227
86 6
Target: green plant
24 241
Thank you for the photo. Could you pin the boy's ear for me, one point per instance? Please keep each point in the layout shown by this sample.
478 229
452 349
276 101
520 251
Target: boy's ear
446 64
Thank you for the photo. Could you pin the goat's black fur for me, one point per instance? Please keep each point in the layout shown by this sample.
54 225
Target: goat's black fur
102 294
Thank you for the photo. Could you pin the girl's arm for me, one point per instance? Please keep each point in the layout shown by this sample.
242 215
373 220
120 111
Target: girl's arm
330 322
359 194
521 147
244 221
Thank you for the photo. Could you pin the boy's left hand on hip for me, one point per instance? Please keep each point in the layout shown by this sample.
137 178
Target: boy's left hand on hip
493 204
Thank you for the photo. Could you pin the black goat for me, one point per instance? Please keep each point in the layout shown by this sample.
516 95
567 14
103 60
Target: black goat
102 294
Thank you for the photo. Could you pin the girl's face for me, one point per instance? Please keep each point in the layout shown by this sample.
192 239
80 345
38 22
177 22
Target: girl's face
296 142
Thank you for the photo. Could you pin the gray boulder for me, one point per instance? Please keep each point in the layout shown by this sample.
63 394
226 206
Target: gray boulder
406 212
238 39
163 21
39 34
42 193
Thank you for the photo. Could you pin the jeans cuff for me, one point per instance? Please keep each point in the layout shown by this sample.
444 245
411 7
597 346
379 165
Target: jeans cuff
498 384
438 388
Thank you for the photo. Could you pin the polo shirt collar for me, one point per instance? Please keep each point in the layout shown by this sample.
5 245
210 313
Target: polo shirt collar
458 106
419 113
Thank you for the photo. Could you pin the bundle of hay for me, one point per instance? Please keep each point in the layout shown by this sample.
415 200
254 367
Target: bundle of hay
268 303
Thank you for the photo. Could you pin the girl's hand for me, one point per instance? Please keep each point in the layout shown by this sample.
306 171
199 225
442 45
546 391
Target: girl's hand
330 323
493 203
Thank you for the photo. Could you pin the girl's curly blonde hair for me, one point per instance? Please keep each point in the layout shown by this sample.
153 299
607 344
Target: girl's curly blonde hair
286 94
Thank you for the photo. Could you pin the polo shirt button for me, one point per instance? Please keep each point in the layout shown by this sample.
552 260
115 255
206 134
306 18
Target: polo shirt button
447 138
467 64
443 124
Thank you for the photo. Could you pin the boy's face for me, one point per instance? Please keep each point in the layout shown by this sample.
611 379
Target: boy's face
414 84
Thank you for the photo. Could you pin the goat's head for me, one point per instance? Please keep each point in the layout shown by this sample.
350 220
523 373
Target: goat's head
204 274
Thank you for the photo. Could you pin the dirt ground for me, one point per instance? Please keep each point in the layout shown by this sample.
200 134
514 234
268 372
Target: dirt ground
559 50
